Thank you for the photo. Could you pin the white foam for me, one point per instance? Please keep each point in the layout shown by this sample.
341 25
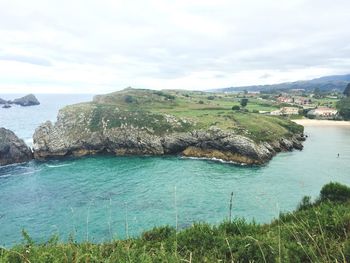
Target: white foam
213 159
58 165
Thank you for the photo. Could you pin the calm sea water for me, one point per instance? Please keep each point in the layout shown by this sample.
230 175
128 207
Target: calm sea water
105 197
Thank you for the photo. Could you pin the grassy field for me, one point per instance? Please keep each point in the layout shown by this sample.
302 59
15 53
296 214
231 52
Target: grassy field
316 232
155 110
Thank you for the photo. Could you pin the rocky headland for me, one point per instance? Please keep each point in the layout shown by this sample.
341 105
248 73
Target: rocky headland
28 100
13 149
145 122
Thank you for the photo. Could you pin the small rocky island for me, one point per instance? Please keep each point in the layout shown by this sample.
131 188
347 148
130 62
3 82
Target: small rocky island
147 122
13 149
28 100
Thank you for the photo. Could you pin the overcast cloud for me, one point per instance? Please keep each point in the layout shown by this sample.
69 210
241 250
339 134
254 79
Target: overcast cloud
100 46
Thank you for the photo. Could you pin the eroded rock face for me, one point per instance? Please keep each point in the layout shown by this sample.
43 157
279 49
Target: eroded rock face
72 136
13 149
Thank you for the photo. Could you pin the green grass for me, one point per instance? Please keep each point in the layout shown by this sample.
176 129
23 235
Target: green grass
326 102
192 111
316 232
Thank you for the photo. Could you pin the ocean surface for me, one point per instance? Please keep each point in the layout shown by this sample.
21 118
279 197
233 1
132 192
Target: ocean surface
106 197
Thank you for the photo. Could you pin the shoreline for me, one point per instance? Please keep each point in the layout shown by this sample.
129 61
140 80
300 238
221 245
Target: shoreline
312 122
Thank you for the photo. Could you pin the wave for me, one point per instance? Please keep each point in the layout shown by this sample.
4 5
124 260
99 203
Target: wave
58 165
5 175
30 172
213 159
19 172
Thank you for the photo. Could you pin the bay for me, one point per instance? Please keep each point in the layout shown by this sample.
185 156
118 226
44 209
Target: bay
105 197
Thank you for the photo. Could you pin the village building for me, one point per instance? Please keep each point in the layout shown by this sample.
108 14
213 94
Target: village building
276 112
284 99
302 101
290 111
286 111
322 113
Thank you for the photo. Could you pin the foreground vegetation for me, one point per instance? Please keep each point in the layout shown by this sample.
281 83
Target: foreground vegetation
316 232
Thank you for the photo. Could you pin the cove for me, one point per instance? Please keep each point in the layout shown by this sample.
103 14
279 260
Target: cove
104 197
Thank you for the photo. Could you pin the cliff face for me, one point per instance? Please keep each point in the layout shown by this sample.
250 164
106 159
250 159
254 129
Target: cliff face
55 140
109 126
13 149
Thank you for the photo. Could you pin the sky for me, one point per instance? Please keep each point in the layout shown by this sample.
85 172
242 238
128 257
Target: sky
99 46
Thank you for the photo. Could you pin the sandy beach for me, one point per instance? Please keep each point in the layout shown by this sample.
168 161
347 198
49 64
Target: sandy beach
309 122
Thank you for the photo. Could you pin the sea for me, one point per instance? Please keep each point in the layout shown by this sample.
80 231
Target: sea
103 198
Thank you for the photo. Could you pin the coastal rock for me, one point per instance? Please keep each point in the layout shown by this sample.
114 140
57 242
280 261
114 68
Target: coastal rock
139 122
28 100
6 106
13 149
64 138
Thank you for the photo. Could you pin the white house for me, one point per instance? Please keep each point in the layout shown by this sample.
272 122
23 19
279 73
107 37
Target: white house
323 113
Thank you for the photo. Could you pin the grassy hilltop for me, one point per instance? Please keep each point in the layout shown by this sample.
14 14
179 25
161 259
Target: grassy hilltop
316 232
181 111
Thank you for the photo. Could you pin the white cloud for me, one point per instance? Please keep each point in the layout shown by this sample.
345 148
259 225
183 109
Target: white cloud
100 46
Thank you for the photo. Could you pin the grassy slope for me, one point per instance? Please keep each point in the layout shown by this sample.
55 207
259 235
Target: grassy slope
146 108
316 232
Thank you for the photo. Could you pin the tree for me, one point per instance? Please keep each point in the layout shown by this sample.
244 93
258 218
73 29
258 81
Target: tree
317 93
244 102
347 91
235 107
343 106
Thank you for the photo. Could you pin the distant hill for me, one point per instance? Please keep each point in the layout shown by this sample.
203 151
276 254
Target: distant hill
327 83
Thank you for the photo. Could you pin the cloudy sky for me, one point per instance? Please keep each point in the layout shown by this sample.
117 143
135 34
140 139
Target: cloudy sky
97 46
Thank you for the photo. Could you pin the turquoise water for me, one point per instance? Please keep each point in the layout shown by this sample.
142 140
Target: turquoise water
95 198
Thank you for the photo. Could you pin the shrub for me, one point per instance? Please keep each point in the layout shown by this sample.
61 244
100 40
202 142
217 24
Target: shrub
210 97
167 96
244 102
235 107
305 203
335 192
129 99
159 234
200 102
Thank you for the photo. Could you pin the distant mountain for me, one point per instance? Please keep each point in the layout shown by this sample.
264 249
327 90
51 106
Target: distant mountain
327 83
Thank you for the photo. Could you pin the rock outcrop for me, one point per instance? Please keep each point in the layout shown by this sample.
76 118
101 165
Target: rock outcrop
2 101
6 106
13 149
143 122
70 138
28 100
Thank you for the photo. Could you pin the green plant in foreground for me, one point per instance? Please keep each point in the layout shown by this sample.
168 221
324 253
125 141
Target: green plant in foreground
316 232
